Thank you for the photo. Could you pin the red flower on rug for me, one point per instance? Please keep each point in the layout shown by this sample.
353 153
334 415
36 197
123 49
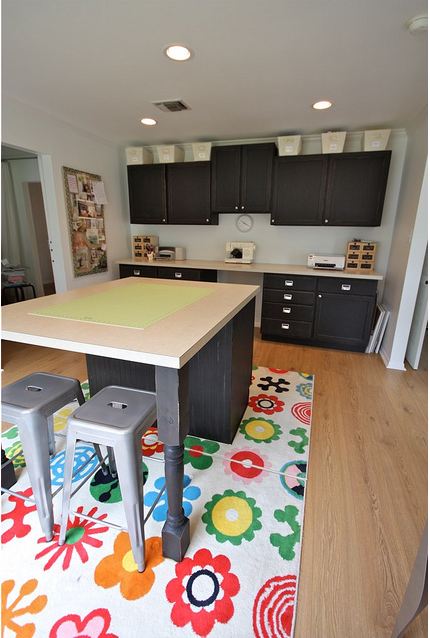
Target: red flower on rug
266 403
150 443
19 529
94 625
80 532
246 465
202 592
273 611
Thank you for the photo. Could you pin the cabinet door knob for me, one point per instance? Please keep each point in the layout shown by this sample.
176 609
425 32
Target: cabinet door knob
242 208
346 287
326 221
273 221
286 310
319 296
236 208
178 275
285 326
207 220
164 219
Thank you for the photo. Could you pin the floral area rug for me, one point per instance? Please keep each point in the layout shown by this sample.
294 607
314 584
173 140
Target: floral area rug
240 574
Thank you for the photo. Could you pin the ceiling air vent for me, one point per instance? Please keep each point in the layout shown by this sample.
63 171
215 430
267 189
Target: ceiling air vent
172 106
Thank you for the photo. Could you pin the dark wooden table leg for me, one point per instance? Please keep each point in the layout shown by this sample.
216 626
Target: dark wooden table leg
173 424
8 476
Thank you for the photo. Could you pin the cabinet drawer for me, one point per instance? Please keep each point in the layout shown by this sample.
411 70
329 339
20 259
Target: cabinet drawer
126 270
191 274
287 329
287 312
348 286
290 296
289 282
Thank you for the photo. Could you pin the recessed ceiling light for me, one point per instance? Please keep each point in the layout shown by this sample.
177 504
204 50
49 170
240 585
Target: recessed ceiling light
148 121
322 104
177 52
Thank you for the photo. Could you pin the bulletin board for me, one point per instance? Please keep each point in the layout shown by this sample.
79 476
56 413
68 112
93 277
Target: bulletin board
85 202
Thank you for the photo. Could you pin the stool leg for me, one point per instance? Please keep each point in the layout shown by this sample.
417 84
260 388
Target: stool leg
101 459
35 444
67 485
51 437
128 458
112 464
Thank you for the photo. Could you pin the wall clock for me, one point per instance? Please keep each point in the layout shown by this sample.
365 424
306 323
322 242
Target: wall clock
244 223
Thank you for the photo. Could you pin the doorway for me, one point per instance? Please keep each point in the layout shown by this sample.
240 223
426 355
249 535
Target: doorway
416 353
25 241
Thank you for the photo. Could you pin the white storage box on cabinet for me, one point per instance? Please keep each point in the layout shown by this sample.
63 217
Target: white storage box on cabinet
201 151
376 140
168 154
138 155
289 145
333 142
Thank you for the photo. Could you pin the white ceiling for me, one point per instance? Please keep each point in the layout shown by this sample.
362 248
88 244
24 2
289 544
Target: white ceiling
257 68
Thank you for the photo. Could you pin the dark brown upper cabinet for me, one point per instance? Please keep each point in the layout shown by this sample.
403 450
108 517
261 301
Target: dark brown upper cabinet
177 193
189 193
356 187
147 193
299 187
241 178
339 189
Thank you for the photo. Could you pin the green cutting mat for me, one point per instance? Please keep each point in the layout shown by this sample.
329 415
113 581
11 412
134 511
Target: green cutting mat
136 305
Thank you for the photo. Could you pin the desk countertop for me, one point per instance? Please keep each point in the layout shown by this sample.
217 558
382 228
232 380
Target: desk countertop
283 269
170 342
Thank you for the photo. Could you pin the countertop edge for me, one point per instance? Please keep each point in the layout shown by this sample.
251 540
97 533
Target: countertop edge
287 269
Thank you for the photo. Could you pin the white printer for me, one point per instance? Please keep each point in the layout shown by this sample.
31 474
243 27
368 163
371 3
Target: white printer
331 262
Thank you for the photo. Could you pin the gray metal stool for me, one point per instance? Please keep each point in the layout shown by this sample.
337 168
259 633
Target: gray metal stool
116 417
30 403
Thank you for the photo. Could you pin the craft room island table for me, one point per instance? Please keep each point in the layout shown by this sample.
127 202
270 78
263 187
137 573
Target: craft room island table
192 341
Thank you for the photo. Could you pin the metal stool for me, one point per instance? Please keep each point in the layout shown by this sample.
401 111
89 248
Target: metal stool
30 403
116 417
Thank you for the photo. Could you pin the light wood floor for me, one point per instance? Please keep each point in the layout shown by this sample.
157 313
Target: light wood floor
367 492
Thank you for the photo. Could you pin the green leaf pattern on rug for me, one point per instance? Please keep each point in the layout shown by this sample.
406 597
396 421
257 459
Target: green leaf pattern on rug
232 516
12 450
299 446
285 544
12 433
198 452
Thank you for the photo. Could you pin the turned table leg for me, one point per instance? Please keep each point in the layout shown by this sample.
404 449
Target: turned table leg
173 425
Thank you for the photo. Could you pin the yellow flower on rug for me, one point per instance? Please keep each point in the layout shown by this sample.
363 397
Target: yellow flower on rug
120 567
11 609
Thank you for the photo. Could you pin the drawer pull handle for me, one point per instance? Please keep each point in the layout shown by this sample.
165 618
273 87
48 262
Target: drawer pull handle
288 296
285 326
136 273
289 282
346 286
286 310
178 275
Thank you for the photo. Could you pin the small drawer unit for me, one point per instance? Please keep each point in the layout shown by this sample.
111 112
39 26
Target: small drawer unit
361 255
288 306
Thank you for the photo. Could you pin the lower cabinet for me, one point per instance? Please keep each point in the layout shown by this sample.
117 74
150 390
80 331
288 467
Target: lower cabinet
321 311
166 272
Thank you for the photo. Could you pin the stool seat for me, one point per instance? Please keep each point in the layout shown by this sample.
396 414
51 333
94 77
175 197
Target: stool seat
116 417
39 392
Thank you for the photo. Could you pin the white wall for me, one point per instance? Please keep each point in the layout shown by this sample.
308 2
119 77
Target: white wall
29 128
288 244
408 247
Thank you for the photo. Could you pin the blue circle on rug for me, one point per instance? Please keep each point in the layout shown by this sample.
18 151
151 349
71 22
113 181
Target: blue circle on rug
293 475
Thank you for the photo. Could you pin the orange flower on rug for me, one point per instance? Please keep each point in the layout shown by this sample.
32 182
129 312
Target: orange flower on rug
120 567
12 609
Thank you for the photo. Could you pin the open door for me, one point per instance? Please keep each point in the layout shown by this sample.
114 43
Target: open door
419 321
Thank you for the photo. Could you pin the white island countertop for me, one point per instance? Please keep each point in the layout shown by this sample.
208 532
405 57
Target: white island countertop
282 269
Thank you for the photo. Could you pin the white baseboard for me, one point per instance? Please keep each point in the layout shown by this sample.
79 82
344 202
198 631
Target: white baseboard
392 365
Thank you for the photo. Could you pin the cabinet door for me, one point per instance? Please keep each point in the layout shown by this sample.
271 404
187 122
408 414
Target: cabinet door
356 188
225 162
344 320
299 185
188 193
256 177
147 193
